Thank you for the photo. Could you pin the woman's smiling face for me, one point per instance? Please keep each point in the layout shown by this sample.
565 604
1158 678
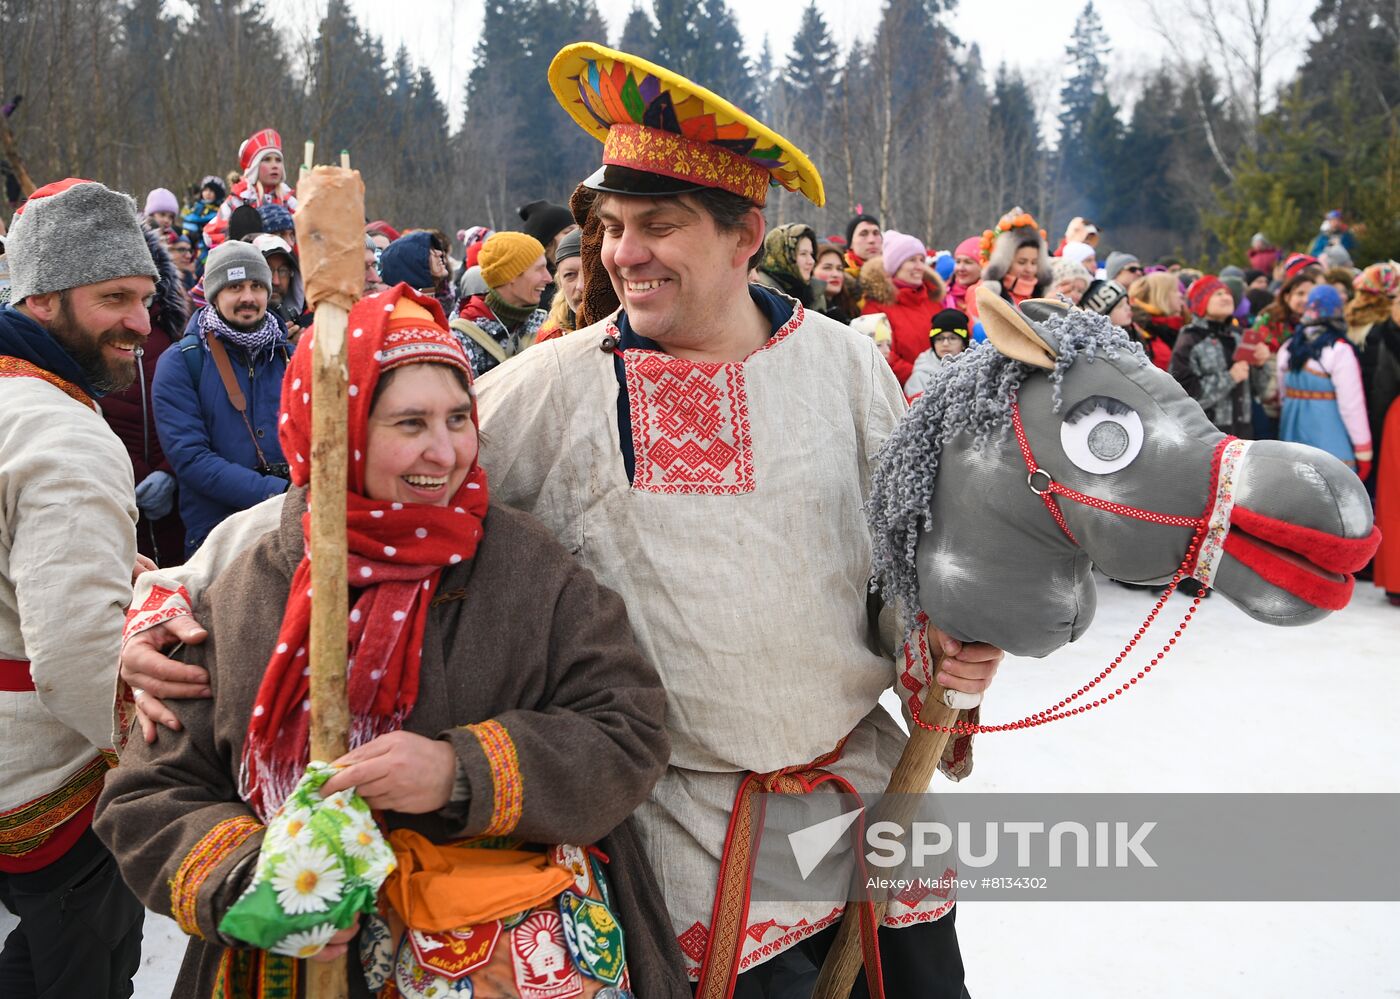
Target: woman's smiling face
421 442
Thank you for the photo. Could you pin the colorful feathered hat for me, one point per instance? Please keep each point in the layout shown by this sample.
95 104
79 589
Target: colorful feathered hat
664 135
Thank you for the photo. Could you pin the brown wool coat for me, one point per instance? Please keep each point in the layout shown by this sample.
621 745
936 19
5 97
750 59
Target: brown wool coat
583 707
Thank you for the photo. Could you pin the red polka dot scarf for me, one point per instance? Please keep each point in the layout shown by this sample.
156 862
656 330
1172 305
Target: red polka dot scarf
397 554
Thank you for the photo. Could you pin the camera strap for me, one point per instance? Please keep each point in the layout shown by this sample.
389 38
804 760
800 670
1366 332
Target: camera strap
235 391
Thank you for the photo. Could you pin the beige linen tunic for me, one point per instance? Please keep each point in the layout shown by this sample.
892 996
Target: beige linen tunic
742 552
67 547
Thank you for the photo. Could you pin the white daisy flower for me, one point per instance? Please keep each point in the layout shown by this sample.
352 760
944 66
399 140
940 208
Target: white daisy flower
306 944
295 828
380 867
360 839
307 880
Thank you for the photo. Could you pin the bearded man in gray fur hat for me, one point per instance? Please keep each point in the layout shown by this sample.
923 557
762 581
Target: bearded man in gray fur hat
81 279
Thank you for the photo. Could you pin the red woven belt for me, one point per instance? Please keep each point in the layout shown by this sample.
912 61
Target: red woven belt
14 675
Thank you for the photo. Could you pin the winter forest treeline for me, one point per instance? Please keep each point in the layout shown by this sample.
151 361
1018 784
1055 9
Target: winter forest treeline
1194 157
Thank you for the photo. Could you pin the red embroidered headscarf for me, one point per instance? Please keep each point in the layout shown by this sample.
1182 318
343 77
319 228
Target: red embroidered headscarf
397 552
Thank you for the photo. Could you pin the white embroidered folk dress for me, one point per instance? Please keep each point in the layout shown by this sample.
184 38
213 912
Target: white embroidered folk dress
742 552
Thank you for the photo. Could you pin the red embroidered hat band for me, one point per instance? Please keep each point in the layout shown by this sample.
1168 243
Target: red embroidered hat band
651 150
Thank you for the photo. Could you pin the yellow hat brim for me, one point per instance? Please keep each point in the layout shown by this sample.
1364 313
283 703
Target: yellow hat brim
700 114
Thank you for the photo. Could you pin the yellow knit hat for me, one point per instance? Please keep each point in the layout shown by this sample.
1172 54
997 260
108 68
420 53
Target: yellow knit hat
507 255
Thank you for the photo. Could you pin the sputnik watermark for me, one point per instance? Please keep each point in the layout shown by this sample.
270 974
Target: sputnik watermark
1141 847
1114 844
893 844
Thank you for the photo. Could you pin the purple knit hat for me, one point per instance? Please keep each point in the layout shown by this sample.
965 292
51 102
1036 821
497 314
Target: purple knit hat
162 200
899 247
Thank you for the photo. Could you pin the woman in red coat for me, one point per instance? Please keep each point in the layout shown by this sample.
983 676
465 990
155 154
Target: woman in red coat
901 285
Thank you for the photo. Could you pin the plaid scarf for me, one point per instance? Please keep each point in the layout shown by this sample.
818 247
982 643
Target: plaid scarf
254 340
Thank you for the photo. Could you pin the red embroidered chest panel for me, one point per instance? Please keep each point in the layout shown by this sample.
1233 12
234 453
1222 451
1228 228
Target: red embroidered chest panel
690 422
690 425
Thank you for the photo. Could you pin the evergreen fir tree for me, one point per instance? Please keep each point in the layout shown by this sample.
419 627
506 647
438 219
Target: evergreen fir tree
148 39
725 68
1015 152
700 40
678 36
764 73
814 63
1086 53
1097 163
639 34
1148 195
349 101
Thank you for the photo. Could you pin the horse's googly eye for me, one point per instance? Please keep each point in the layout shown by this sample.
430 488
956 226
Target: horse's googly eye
1101 435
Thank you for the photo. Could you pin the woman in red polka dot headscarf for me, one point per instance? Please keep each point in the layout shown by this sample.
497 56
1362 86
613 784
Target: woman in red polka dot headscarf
495 692
414 505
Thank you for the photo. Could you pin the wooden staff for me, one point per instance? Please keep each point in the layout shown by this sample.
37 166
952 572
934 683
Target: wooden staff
329 220
912 776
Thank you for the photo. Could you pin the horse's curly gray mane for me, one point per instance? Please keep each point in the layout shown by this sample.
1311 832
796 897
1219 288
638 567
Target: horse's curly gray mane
972 395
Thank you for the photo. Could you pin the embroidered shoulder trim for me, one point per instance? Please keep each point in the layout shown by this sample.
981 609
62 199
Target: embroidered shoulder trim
195 869
507 784
25 828
15 367
799 315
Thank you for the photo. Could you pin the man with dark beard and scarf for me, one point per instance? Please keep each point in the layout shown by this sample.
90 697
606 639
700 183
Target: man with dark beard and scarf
216 397
82 279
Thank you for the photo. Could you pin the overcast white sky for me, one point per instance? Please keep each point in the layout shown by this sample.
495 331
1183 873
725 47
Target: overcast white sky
1029 34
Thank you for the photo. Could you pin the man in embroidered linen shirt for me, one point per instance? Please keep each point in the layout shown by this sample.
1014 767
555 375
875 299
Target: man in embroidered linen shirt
83 277
707 452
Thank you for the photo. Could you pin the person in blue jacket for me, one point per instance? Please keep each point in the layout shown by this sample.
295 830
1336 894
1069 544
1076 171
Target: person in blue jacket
216 398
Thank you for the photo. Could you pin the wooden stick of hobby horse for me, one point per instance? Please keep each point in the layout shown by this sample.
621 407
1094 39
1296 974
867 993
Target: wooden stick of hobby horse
911 776
329 222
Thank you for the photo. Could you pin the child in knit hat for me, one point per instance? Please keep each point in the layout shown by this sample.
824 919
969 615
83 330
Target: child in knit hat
277 220
1202 358
1069 279
948 338
875 325
162 209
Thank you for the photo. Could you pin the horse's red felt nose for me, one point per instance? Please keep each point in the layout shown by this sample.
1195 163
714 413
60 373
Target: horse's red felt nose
1302 560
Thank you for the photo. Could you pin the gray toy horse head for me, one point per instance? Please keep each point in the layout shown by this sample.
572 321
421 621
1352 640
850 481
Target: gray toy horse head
1120 469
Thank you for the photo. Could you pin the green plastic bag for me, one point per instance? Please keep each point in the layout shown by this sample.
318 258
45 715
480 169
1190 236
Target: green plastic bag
321 863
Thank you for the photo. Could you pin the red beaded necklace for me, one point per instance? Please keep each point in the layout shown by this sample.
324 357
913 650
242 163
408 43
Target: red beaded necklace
1068 706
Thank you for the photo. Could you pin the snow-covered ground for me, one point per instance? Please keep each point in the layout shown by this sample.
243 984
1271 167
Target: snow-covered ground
1239 706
